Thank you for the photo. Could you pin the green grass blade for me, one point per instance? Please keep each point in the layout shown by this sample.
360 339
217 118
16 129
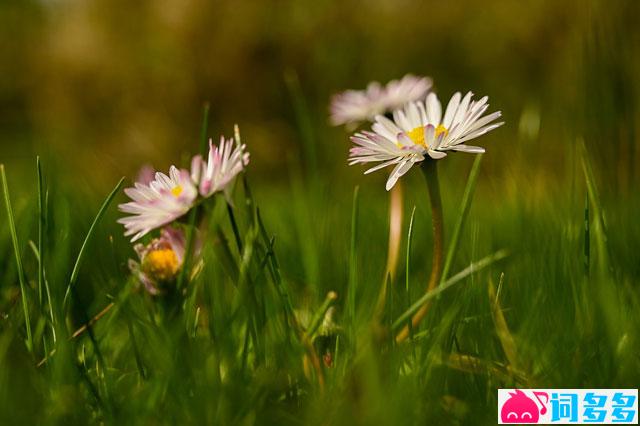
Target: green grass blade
353 267
274 269
408 263
502 329
34 249
41 224
204 129
304 223
224 255
234 227
319 315
303 120
193 214
600 228
409 241
587 236
246 293
96 220
186 264
464 211
136 351
249 202
474 267
16 250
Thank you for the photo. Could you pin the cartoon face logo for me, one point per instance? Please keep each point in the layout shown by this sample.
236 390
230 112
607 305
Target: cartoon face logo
519 408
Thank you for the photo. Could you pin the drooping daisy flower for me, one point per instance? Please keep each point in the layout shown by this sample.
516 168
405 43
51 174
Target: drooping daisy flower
419 130
160 260
224 163
160 202
354 106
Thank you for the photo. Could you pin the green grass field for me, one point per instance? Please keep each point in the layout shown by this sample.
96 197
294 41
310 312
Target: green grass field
552 302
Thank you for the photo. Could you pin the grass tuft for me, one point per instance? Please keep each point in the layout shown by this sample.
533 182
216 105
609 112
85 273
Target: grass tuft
18 258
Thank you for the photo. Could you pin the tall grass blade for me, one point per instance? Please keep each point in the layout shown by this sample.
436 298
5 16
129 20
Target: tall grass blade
16 251
464 211
41 224
224 255
353 267
409 241
193 214
319 315
587 236
504 335
136 351
471 269
234 227
204 129
274 269
96 220
303 120
600 230
304 223
408 266
248 196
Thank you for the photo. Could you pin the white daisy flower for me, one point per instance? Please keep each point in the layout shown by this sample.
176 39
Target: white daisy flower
354 106
224 163
160 202
419 130
160 260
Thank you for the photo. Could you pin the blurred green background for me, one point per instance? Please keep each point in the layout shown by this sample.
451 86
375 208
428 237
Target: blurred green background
99 88
109 85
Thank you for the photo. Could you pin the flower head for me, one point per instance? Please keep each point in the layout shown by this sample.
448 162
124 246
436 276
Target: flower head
160 202
160 260
419 130
224 163
354 106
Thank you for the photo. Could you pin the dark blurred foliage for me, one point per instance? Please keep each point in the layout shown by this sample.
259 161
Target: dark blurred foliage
109 85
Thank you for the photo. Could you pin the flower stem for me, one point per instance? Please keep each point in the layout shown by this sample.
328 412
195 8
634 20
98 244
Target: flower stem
429 168
396 213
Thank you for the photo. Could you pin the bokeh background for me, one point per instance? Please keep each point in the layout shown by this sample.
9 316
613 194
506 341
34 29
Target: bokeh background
109 85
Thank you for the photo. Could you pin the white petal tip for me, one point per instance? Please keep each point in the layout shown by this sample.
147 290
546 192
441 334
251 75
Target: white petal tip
437 155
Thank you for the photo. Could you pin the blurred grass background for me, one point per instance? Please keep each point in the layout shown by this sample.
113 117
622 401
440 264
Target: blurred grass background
100 88
118 84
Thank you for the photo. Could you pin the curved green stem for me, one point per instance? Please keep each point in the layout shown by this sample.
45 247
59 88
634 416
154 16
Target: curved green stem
430 170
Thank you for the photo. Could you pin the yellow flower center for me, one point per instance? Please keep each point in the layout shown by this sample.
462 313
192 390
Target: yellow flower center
176 191
440 130
161 264
417 135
